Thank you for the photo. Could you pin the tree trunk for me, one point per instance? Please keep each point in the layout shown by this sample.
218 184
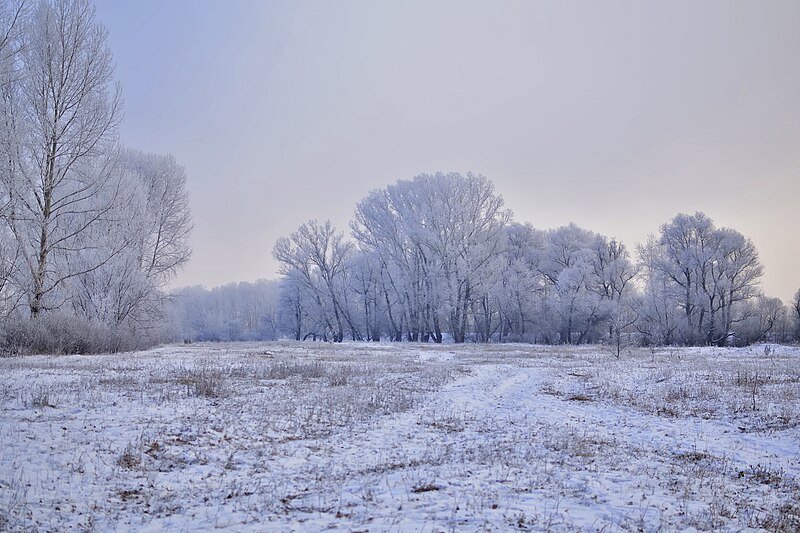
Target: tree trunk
39 277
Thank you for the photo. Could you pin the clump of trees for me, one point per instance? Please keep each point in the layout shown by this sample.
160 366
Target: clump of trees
234 312
90 231
439 257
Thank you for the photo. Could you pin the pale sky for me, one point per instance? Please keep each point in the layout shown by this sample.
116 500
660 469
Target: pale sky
612 115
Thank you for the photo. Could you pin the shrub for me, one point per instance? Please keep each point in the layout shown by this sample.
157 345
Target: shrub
203 381
62 333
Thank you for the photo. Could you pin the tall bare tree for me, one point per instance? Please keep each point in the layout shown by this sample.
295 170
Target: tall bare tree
66 182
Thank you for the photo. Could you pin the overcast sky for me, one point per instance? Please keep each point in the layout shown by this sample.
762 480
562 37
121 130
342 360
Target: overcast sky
612 115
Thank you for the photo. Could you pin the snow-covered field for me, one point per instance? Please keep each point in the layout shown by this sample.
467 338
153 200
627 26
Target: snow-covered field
311 436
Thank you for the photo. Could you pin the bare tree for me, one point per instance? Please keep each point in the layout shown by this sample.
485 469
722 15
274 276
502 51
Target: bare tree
151 216
66 182
739 273
569 265
683 243
385 226
658 312
166 219
712 273
317 256
623 319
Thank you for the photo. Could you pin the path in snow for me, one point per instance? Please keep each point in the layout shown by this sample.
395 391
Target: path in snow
596 465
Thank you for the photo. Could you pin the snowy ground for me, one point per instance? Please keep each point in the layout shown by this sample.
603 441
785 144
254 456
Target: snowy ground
358 437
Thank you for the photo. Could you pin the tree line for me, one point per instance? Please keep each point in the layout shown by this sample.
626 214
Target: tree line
90 231
233 312
439 257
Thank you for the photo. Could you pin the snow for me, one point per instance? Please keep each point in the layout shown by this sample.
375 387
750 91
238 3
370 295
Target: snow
401 437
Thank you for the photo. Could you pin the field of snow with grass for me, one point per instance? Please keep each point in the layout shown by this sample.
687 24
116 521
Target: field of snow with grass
401 437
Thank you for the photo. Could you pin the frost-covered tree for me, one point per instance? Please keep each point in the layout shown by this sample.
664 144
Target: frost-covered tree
166 220
151 215
518 291
612 268
437 236
683 242
659 318
387 227
735 273
463 231
585 278
295 307
107 284
767 321
384 230
613 281
64 184
365 271
316 257
709 273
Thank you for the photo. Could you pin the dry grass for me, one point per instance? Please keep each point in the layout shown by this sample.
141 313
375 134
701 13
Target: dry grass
738 384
